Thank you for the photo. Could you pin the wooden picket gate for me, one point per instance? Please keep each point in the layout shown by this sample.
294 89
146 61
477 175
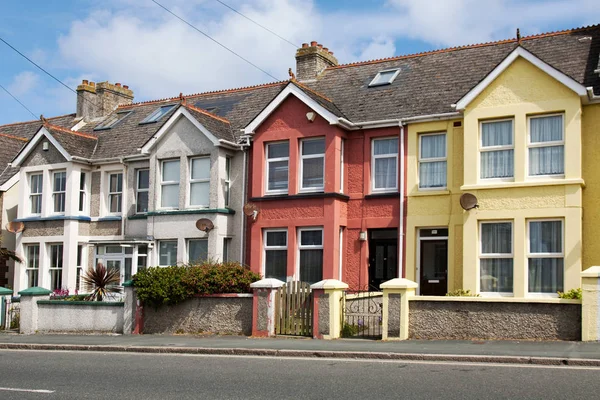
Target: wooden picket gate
294 309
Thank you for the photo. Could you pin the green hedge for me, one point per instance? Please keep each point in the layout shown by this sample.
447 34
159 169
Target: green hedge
171 285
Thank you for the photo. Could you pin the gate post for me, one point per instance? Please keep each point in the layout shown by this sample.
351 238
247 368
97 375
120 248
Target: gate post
4 292
263 306
395 308
327 310
28 323
590 304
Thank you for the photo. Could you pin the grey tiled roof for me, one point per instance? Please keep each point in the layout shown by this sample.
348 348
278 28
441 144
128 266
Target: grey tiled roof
9 147
218 127
75 143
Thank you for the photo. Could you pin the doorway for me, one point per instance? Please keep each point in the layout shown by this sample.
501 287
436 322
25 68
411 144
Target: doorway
383 256
433 261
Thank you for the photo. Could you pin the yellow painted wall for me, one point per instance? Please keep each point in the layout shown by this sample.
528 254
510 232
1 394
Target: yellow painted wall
591 193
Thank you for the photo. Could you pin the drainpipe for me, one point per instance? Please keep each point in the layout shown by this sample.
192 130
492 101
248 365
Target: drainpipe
124 199
402 219
244 147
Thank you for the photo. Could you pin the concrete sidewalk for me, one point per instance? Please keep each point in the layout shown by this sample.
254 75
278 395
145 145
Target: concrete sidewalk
520 352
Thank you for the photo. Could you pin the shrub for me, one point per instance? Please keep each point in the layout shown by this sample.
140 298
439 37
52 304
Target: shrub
571 294
349 330
171 285
461 293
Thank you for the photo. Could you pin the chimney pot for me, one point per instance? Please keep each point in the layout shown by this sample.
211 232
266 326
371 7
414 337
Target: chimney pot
84 82
125 87
313 43
304 45
117 84
92 84
320 46
331 52
325 49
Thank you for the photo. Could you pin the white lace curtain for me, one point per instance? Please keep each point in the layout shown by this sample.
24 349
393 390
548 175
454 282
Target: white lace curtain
496 273
432 174
546 273
497 163
546 160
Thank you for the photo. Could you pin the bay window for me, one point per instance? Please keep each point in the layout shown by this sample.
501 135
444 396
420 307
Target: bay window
546 145
546 256
200 181
432 161
142 188
497 149
384 165
56 266
82 192
275 254
310 248
496 257
115 192
169 184
312 164
278 159
32 264
59 191
35 192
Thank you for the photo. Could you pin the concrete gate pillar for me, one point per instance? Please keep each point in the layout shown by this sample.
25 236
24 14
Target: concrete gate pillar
28 323
327 308
263 306
395 308
590 304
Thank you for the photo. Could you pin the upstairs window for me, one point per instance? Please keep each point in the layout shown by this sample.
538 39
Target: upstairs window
112 120
384 77
200 181
169 185
384 165
278 159
59 191
497 149
546 145
432 161
82 191
142 188
312 164
35 192
157 114
227 186
115 192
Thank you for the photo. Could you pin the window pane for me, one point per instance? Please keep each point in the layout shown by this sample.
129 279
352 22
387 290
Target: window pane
116 183
36 204
385 173
142 202
432 174
383 77
170 196
168 252
198 251
276 264
312 172
546 129
278 175
545 275
277 238
496 238
60 181
59 202
385 146
497 164
201 168
310 147
36 183
115 203
545 237
311 238
143 179
497 275
278 150
496 133
433 146
170 172
199 194
547 160
311 265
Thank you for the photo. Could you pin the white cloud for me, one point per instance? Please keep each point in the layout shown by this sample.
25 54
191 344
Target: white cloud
23 83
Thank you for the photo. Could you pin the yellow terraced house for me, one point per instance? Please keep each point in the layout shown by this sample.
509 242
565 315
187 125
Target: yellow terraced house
525 142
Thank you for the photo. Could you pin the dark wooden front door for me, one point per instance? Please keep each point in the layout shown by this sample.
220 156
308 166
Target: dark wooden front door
383 256
434 267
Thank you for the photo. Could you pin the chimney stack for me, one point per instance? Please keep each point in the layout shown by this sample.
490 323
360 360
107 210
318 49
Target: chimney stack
95 101
312 60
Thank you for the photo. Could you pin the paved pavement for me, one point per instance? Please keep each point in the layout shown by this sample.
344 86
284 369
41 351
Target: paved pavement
523 352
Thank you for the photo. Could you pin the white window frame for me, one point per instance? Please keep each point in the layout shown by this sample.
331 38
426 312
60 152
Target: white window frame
388 82
202 180
544 255
311 156
429 160
28 262
59 192
300 246
483 149
139 190
83 192
168 183
158 251
342 145
39 194
263 268
110 194
226 256
227 199
62 265
276 159
81 258
188 252
390 155
483 255
555 143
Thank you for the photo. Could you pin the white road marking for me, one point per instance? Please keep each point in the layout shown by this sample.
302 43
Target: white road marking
26 390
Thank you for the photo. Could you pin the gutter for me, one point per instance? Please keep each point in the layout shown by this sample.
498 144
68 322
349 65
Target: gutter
227 143
397 121
594 98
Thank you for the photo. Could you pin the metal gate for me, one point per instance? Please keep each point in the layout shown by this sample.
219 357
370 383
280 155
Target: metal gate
11 314
294 309
361 314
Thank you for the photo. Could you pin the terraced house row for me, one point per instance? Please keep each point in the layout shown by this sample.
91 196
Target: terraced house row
466 168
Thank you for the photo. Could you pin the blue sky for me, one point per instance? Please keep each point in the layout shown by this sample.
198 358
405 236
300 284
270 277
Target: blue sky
136 43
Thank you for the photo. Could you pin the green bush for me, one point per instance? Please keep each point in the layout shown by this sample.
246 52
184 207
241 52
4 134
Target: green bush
349 330
171 285
461 293
571 294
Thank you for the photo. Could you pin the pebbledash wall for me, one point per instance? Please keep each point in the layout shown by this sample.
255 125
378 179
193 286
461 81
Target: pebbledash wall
343 209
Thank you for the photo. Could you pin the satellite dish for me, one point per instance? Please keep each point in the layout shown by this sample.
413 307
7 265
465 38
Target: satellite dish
15 227
204 224
468 201
251 210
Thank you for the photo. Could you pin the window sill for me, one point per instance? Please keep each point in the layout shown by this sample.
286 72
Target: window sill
531 183
54 218
429 193
190 211
299 196
138 216
382 195
110 218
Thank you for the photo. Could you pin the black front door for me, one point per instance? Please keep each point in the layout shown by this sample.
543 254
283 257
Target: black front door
434 267
383 256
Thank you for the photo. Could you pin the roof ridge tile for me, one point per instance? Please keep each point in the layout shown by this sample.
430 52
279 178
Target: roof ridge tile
6 135
36 120
207 113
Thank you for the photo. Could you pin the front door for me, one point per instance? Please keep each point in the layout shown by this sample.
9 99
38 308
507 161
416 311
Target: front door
433 253
383 256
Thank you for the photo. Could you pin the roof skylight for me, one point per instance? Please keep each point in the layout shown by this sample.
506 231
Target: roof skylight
112 120
157 114
384 77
